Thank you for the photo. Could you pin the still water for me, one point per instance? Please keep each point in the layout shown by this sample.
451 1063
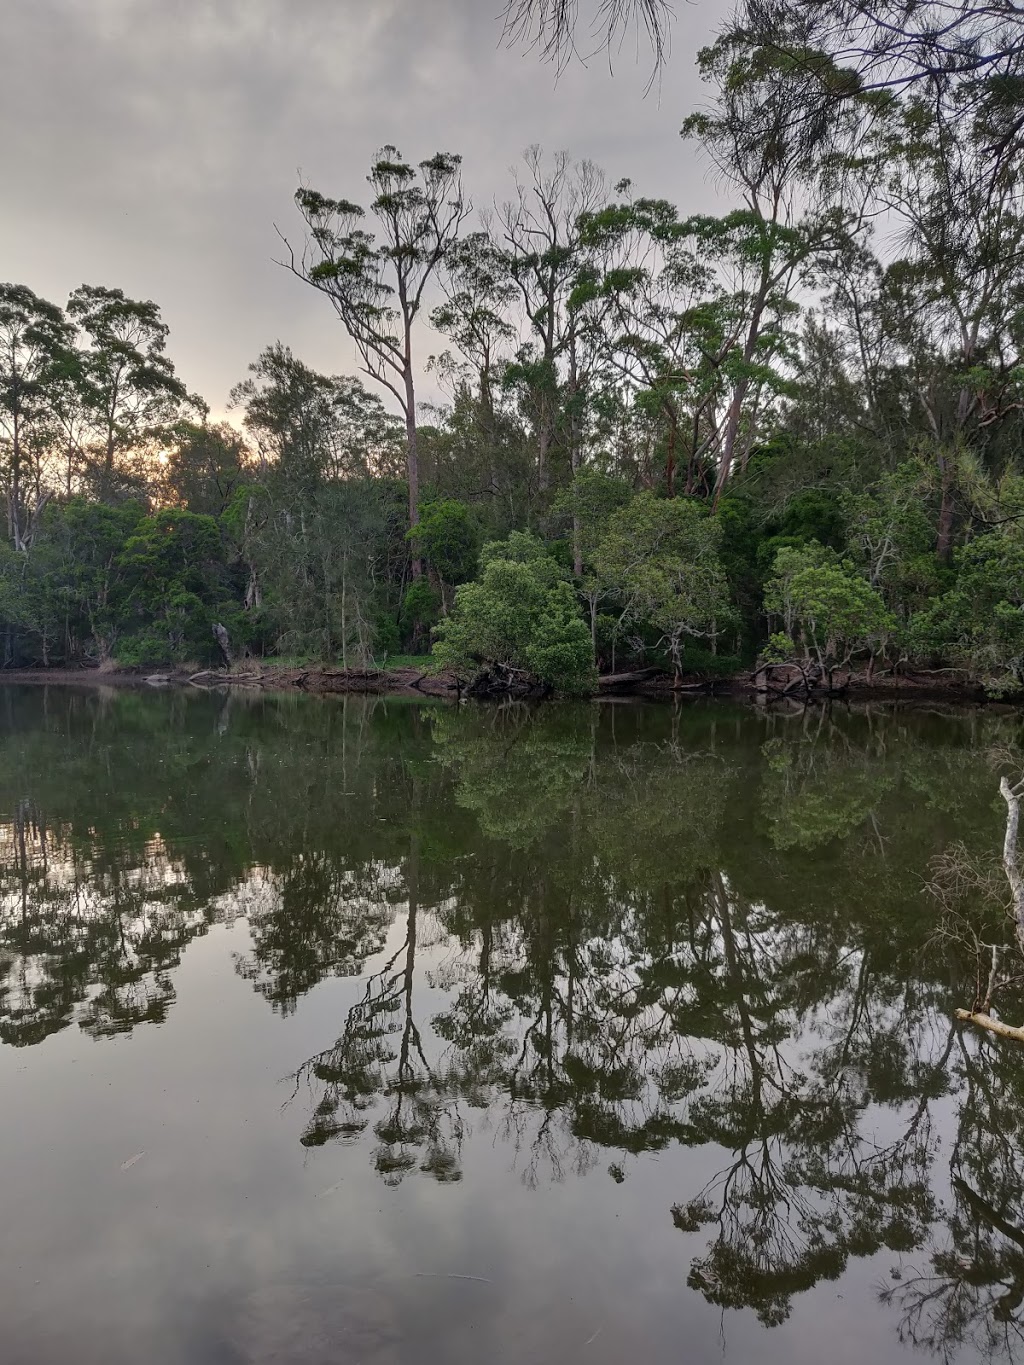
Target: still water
349 1031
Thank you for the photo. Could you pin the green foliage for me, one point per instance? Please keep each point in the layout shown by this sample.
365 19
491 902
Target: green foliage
979 622
447 537
519 616
421 608
586 505
173 578
662 556
833 612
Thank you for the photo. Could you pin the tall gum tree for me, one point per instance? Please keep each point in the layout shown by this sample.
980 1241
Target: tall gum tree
664 339
547 255
951 301
378 284
35 342
128 391
770 154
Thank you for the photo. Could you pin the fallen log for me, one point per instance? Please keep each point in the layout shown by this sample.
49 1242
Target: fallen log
624 679
996 1026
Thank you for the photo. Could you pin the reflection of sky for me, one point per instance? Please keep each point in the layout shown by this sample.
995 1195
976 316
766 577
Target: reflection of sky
229 1241
161 1205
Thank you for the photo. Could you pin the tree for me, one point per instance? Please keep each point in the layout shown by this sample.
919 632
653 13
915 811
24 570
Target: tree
832 611
550 261
315 426
770 246
588 504
479 291
35 341
204 467
449 541
378 288
662 558
888 43
317 530
671 334
950 301
129 392
173 577
518 624
978 622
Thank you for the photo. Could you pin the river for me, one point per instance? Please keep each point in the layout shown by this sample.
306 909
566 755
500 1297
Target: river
376 1032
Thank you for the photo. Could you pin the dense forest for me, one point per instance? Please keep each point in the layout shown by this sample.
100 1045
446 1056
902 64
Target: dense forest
789 432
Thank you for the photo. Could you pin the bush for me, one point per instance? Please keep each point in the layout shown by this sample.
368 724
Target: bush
834 611
521 616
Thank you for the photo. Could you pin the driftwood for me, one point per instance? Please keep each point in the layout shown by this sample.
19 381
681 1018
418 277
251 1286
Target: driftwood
613 680
785 679
996 1026
1011 794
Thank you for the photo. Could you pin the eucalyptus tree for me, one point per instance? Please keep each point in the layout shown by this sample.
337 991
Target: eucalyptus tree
479 296
773 244
35 344
378 287
128 390
551 263
665 319
950 302
889 44
316 529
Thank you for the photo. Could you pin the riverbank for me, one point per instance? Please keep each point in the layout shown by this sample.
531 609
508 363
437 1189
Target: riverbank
938 685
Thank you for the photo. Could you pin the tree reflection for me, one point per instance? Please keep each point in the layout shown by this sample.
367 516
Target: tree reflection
973 1290
593 933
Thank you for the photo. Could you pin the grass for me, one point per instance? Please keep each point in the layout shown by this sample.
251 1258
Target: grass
424 662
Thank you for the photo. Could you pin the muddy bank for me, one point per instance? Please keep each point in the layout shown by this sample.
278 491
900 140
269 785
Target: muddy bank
396 681
938 685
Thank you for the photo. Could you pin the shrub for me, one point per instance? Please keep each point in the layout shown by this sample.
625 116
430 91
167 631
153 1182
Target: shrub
520 616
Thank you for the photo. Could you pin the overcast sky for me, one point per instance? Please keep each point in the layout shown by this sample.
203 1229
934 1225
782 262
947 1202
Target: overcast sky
152 145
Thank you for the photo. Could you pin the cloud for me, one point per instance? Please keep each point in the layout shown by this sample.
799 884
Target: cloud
153 144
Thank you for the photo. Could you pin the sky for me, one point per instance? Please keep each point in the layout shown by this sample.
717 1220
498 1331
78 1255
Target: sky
154 145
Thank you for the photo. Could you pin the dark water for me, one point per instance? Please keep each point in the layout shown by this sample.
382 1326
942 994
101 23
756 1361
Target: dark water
352 1031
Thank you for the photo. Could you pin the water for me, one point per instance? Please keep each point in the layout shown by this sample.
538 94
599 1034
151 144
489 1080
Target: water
364 1031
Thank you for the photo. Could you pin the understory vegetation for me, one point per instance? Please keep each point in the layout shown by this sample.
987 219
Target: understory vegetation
789 433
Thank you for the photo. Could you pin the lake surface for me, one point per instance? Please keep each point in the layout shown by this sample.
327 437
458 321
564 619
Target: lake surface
352 1030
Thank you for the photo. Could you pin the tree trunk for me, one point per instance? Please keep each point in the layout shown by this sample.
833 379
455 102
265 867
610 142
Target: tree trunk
221 636
996 1026
944 539
670 462
412 462
1012 795
732 427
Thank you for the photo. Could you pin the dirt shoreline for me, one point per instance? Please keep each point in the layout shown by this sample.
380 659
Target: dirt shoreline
412 682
